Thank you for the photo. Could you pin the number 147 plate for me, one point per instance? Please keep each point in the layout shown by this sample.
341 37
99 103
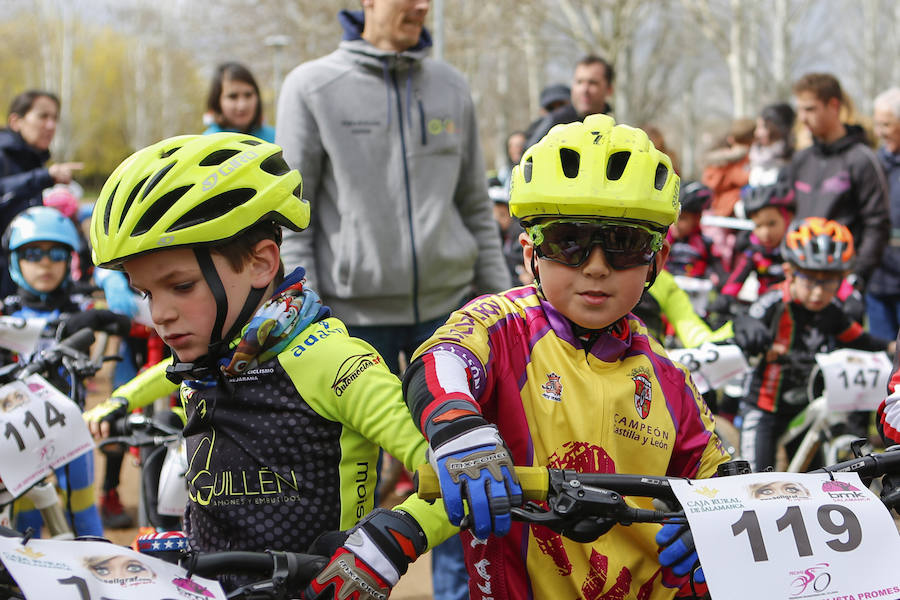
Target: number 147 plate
792 536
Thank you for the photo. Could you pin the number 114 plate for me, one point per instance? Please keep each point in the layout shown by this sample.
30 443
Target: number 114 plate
792 536
42 429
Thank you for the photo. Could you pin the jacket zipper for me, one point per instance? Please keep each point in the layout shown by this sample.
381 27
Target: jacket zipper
409 207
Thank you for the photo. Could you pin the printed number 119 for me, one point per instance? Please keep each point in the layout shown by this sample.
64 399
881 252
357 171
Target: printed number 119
793 518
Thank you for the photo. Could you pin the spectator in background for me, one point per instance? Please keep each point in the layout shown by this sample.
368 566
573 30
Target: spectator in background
883 293
592 85
773 143
727 167
401 231
24 150
839 177
726 172
552 97
515 147
234 103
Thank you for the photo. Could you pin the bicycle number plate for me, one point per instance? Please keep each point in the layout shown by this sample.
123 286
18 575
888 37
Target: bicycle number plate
712 365
42 429
95 570
20 335
792 536
854 379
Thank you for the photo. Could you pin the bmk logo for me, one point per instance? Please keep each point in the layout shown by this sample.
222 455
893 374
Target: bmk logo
810 582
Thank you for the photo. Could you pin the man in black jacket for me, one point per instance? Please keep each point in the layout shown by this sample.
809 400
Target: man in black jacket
839 177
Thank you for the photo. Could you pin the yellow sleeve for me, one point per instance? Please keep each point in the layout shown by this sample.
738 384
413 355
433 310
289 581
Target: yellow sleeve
147 386
345 380
431 517
677 308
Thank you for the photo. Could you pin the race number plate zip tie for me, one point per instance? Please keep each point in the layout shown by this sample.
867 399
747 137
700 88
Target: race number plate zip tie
29 533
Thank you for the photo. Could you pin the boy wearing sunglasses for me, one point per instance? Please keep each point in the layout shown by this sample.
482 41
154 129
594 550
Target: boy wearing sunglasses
799 318
561 374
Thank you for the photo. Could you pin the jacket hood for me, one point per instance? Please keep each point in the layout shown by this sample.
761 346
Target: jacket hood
855 134
12 141
353 22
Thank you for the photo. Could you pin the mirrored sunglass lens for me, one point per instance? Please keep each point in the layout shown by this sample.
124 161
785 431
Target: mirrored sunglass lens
566 243
627 247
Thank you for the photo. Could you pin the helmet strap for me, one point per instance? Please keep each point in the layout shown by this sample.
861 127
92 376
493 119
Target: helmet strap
205 366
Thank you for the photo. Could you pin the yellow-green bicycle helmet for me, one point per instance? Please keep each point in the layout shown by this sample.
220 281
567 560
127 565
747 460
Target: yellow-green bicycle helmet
193 190
595 169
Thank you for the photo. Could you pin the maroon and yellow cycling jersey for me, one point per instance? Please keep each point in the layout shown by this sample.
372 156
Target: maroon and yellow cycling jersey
618 406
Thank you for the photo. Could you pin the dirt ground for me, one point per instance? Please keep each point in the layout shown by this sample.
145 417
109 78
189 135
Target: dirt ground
415 585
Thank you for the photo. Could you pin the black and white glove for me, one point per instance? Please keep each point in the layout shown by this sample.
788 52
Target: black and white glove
367 560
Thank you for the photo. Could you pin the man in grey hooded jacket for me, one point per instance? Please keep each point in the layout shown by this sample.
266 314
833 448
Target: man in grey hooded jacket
387 143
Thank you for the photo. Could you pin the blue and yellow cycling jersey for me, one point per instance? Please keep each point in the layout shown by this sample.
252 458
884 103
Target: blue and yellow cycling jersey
617 406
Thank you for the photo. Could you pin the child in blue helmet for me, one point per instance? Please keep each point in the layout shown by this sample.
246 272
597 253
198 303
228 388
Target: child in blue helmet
40 243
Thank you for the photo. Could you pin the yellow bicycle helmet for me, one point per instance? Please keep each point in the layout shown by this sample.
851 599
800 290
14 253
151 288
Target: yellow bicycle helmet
595 169
193 190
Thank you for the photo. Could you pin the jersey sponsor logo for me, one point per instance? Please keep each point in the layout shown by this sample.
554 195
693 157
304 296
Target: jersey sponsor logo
553 388
351 368
643 391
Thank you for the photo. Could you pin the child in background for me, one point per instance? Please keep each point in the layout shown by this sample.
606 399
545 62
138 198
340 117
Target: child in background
771 208
41 243
800 317
551 374
234 103
692 253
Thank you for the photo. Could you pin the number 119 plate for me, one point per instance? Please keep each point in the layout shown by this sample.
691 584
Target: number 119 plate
792 536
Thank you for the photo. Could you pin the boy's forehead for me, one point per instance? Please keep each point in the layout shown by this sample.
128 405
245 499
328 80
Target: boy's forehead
43 244
161 265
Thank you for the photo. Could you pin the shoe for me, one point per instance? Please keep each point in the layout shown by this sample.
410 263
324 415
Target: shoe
112 513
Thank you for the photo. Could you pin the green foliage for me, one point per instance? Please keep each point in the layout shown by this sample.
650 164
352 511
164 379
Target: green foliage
109 111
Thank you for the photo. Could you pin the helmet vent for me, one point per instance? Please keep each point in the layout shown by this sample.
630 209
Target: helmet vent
570 161
251 142
298 191
662 174
130 199
108 209
155 212
616 164
527 168
218 157
275 165
213 208
169 152
157 177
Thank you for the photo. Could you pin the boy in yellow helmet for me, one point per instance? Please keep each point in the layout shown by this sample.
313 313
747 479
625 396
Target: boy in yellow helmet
285 412
561 374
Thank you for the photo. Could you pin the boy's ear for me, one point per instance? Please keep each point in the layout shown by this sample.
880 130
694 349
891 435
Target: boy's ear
263 264
662 255
527 251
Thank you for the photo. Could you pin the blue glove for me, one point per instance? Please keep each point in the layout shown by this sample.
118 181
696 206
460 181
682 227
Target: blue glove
476 466
368 560
678 551
119 296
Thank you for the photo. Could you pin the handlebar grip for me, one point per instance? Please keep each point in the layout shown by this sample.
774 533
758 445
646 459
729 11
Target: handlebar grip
535 482
80 341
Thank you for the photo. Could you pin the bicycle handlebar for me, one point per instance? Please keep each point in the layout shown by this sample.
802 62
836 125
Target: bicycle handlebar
291 569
